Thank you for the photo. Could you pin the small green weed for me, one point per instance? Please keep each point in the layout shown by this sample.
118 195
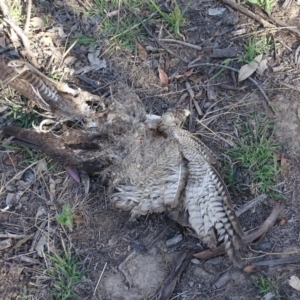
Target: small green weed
86 41
66 217
265 286
267 5
175 19
255 47
65 274
16 11
34 155
122 27
24 115
255 154
229 175
226 62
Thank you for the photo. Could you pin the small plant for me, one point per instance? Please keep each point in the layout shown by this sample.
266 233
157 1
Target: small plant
16 11
118 24
255 154
65 274
86 41
34 155
66 217
265 286
267 5
175 18
22 114
229 175
255 47
226 62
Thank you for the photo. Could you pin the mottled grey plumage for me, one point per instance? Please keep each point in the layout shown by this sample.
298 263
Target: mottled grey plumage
151 164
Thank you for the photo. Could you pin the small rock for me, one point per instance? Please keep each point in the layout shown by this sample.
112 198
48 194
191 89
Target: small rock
224 53
214 261
174 240
230 19
266 246
5 244
223 280
216 11
10 188
195 261
268 296
191 283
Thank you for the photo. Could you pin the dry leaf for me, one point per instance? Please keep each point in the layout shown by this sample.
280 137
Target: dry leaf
10 160
188 72
282 222
294 282
211 93
59 31
73 172
39 247
248 69
262 66
52 189
5 244
250 268
185 74
163 76
142 51
282 161
36 23
41 167
113 13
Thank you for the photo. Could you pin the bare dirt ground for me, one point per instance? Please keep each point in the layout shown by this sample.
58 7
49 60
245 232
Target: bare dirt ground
131 260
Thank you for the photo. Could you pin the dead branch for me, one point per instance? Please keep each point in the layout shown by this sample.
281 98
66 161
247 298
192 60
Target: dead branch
239 211
248 239
170 283
27 22
181 43
259 19
279 261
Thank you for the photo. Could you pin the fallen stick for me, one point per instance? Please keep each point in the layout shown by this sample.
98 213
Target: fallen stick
170 283
258 18
239 211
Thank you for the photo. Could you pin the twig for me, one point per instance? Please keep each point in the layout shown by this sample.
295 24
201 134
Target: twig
290 86
120 267
192 97
99 279
279 261
258 18
37 235
249 13
182 43
235 70
248 239
27 23
170 283
250 204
